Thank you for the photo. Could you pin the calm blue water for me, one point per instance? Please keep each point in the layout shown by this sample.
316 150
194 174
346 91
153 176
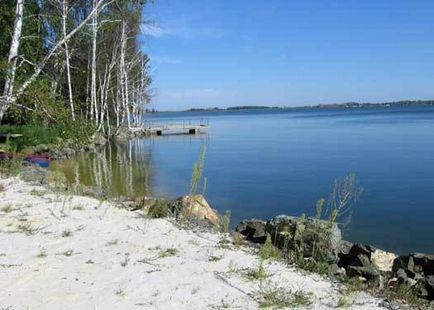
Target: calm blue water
263 163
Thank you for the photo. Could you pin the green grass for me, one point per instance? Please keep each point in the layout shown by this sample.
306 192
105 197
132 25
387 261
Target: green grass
7 208
32 135
278 298
268 250
213 258
27 229
66 233
258 273
167 252
42 254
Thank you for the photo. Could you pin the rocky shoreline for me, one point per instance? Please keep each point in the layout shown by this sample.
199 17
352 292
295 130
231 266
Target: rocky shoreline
349 260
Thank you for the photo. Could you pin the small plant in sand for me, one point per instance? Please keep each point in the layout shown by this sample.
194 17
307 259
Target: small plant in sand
159 209
7 208
222 305
225 221
268 250
2 188
27 229
214 258
258 273
343 302
224 244
37 192
276 298
78 207
126 260
66 233
11 167
168 252
112 242
196 175
42 253
120 292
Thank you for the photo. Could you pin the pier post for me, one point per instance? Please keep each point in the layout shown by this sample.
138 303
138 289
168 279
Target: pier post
192 131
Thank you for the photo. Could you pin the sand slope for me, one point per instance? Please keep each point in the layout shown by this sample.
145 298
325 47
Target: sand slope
72 252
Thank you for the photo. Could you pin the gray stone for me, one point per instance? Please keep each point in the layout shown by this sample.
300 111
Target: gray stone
253 230
314 234
369 272
42 148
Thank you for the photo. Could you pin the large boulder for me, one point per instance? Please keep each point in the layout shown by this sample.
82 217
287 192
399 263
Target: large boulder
309 235
253 230
194 207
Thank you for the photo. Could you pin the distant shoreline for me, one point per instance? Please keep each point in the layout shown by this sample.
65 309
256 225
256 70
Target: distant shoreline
347 105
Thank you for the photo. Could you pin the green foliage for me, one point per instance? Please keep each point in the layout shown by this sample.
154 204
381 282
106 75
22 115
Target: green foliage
159 209
278 298
268 250
10 167
344 195
225 221
32 135
257 274
197 171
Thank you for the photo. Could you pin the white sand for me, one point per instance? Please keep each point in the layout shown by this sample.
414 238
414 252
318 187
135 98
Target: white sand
115 262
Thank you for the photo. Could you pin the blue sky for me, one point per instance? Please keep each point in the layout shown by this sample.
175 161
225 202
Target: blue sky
207 53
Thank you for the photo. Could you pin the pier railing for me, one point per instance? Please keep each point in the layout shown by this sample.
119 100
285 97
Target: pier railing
173 125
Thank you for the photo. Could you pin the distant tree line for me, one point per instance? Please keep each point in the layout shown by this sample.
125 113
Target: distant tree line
401 103
72 61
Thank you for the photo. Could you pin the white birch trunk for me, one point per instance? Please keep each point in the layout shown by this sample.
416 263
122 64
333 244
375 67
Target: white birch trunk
12 59
68 67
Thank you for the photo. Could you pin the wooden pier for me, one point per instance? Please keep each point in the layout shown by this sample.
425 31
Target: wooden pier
175 127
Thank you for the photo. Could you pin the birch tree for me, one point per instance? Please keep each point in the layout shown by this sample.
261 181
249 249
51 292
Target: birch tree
12 59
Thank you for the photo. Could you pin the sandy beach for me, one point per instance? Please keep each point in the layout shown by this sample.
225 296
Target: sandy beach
62 251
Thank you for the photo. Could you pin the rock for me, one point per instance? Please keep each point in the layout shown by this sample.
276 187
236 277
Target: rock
253 230
344 248
359 255
98 139
430 287
337 271
368 272
426 261
42 148
360 262
194 206
383 260
123 133
314 234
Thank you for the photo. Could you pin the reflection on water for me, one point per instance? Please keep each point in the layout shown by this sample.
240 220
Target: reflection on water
120 169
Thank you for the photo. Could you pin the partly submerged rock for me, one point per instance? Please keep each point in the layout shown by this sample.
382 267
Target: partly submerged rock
253 230
194 207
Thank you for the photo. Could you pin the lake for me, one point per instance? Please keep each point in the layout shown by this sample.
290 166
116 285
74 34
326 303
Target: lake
262 163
